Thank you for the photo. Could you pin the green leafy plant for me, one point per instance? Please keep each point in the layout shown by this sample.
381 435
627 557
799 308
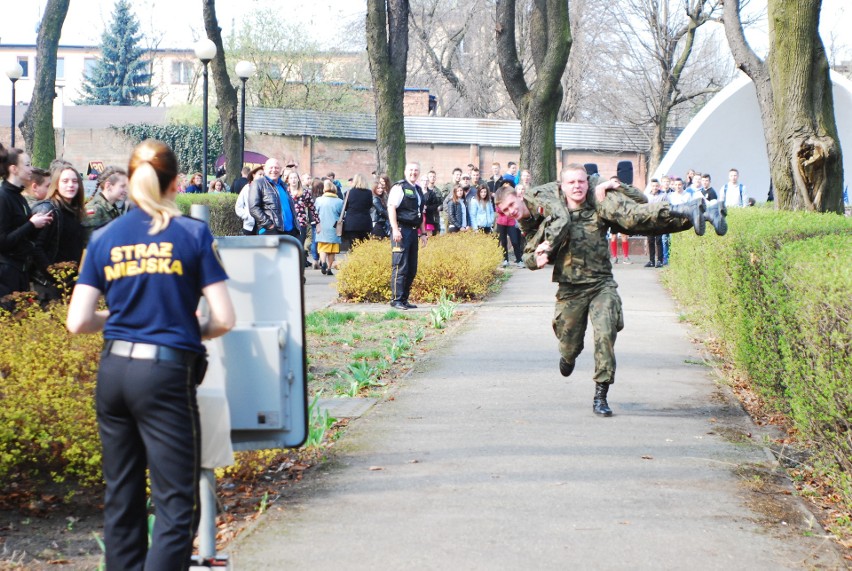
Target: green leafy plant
359 375
318 423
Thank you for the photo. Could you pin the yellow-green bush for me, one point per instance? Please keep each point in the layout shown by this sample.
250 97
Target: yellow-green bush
223 220
48 428
776 292
465 264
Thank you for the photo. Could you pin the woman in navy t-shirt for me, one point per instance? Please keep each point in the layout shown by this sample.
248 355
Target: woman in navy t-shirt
152 266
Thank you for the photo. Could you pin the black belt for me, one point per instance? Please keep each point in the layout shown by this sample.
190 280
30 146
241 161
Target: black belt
150 352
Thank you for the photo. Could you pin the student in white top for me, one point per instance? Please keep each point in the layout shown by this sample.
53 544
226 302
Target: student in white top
734 193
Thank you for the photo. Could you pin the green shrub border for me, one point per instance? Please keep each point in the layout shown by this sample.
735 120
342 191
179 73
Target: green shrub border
777 294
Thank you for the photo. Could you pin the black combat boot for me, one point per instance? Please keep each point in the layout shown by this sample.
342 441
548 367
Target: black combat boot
694 211
565 367
600 405
715 215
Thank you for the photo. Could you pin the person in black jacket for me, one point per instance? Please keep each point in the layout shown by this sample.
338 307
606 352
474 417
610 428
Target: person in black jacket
357 223
381 225
433 203
17 224
64 239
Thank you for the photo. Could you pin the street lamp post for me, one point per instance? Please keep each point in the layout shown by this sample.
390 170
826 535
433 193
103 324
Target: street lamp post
244 69
14 73
205 50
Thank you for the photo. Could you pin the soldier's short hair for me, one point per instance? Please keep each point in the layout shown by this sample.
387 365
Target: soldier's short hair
39 175
571 167
457 170
110 175
504 192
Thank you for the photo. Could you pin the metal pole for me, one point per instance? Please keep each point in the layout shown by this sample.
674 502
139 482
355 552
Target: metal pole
207 522
204 127
13 112
243 125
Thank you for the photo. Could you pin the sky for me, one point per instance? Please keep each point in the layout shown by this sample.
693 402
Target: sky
179 22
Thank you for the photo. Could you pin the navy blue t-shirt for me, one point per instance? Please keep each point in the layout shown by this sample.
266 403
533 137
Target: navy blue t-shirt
152 284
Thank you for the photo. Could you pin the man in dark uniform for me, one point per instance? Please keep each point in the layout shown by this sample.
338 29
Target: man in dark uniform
405 213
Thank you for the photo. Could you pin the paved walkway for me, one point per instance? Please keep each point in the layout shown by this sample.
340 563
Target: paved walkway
488 459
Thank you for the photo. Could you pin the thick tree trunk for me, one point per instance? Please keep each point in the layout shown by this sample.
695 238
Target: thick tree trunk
226 95
804 106
37 124
387 48
794 92
538 106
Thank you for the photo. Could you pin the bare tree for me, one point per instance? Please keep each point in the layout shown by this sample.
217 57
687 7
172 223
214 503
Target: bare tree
387 48
794 92
37 124
455 55
653 53
538 99
226 95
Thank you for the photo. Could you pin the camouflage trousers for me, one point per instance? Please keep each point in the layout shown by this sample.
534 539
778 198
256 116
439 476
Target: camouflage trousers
630 217
575 307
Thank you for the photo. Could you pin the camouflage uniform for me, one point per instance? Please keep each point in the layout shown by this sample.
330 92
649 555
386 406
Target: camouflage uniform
580 255
99 212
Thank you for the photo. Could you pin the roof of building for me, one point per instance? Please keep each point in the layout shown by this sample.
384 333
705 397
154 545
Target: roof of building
444 130
362 126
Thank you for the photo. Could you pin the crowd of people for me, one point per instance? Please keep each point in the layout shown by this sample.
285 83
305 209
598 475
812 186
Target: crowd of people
676 190
45 219
54 221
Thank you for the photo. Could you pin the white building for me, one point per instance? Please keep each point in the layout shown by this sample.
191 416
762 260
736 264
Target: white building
175 73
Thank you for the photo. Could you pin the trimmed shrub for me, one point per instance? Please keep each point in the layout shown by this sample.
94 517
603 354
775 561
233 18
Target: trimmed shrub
464 264
48 428
223 220
776 293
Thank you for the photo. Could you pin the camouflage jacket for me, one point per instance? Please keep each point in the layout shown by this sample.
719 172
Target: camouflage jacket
99 212
580 252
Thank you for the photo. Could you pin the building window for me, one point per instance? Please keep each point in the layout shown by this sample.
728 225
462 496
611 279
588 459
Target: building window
60 68
182 72
89 65
24 62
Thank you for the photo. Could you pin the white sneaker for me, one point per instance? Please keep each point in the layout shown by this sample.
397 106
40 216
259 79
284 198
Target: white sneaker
520 264
505 263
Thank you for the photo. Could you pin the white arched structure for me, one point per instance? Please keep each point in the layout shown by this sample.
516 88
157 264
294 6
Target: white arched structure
728 133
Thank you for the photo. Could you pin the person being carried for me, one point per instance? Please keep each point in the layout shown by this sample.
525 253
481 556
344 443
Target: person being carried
567 227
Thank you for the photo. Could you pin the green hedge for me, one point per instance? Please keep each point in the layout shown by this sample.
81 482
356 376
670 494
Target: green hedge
777 292
465 264
223 219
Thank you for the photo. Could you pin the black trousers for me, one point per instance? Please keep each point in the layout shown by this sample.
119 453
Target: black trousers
403 264
505 235
148 416
655 248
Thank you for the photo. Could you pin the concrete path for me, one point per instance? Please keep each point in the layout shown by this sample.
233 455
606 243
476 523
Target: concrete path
488 459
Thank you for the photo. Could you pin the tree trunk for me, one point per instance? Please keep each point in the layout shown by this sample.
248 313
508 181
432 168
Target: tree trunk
226 95
550 36
37 124
798 68
794 92
387 49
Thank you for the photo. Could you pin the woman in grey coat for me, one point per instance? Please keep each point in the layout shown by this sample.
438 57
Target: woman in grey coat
329 206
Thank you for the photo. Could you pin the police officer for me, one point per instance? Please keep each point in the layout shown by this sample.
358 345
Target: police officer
101 209
152 266
405 213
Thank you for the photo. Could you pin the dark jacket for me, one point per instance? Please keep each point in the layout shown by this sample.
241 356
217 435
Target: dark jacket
63 240
381 224
432 201
456 216
357 213
265 205
16 230
193 189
